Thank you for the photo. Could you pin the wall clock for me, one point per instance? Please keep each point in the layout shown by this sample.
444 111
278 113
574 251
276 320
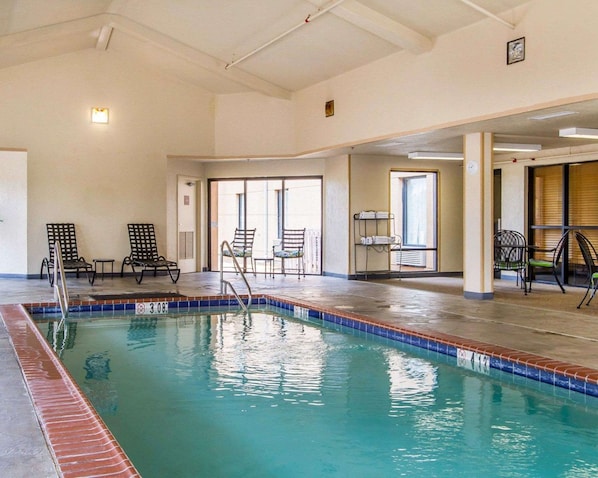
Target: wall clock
472 167
516 50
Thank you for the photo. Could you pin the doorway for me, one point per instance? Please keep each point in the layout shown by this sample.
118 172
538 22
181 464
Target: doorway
187 207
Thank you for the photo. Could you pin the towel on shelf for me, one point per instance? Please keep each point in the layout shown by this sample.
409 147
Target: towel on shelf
367 215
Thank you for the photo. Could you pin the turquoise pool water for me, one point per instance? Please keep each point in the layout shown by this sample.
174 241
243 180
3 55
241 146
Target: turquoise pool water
225 395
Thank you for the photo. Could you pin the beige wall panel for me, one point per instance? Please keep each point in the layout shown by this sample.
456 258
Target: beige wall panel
99 177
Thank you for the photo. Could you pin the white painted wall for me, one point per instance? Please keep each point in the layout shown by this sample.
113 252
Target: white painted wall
337 223
264 168
99 177
13 212
464 77
251 124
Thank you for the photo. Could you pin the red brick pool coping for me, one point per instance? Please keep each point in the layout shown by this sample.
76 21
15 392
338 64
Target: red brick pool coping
80 441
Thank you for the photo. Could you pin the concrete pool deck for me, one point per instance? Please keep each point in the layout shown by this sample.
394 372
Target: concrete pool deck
544 323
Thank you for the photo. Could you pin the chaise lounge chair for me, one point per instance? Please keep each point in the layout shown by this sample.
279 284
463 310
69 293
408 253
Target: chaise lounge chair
144 254
64 233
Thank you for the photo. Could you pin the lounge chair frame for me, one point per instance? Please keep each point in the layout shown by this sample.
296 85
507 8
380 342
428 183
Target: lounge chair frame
144 254
65 234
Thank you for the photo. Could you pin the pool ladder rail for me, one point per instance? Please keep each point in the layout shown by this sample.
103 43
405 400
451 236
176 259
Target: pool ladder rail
224 284
61 294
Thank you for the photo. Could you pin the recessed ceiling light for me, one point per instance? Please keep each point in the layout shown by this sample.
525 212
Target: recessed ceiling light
435 155
556 114
586 133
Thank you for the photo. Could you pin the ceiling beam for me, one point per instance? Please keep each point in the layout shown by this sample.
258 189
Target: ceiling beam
50 32
475 6
197 57
103 26
104 38
382 26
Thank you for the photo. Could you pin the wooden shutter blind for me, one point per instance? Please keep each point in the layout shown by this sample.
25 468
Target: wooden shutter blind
583 201
548 206
548 195
583 194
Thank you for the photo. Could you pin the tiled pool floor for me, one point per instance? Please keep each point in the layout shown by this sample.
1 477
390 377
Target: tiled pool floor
545 323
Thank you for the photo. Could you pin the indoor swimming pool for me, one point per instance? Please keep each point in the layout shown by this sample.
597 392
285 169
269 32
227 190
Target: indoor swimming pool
276 393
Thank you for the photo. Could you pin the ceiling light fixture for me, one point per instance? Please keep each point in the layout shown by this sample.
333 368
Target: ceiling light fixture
433 155
586 133
519 147
556 114
99 115
390 144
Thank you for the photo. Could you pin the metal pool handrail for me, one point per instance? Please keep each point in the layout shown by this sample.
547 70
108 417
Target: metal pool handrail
62 299
224 283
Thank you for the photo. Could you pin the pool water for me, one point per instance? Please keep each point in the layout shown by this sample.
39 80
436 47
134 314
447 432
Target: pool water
266 395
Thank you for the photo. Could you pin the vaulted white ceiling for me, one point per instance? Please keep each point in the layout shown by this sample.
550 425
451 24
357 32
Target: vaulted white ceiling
271 46
226 46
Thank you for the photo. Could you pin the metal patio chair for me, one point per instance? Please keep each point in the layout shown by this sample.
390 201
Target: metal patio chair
65 234
548 259
590 259
242 247
291 247
144 254
510 254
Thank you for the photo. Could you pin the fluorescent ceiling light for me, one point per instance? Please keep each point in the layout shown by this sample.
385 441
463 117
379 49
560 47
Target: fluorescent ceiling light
520 147
424 155
556 114
587 133
390 144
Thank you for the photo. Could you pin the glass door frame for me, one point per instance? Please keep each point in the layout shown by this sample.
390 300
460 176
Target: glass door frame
284 217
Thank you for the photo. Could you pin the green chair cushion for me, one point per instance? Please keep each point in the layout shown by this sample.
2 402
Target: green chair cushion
503 265
540 263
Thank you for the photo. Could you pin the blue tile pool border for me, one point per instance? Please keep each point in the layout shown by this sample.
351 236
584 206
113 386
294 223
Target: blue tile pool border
566 376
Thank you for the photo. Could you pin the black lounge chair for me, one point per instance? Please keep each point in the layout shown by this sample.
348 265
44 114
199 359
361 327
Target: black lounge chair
64 233
144 254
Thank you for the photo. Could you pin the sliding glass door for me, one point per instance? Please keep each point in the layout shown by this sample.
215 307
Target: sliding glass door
268 205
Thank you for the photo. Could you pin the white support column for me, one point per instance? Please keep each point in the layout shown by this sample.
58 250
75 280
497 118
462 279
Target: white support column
478 274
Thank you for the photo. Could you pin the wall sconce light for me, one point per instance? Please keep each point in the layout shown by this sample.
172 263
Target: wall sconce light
329 108
99 115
